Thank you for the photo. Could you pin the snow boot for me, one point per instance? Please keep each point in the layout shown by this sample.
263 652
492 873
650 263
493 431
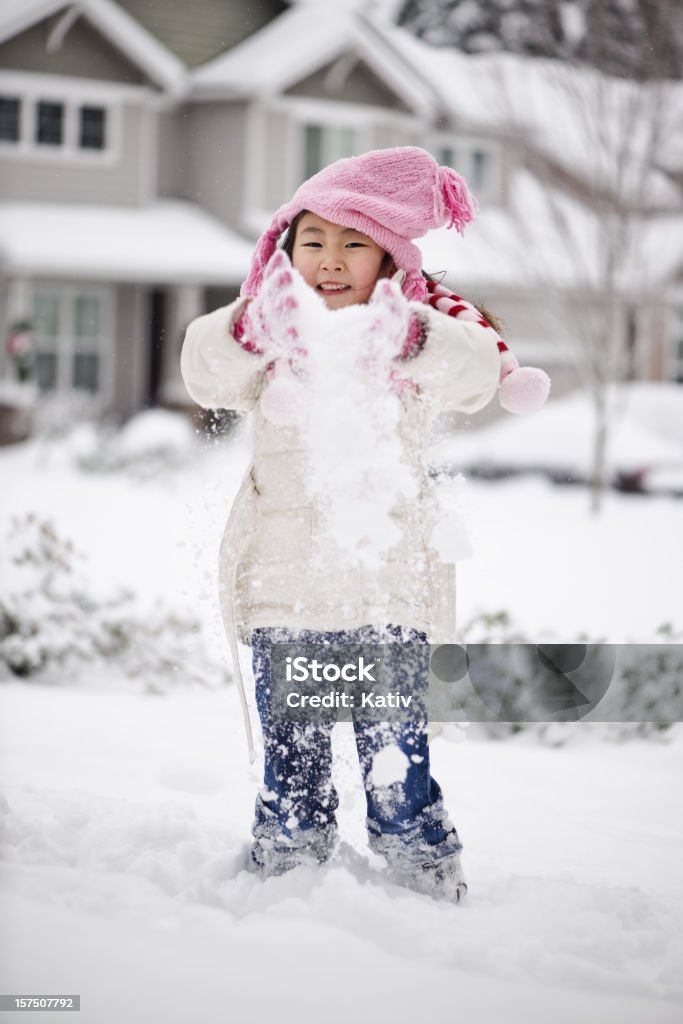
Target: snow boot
278 848
271 857
442 880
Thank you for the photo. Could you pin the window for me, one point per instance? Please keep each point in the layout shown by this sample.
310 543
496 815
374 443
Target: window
59 126
46 326
324 144
445 155
70 327
49 123
87 315
9 119
92 128
478 164
677 345
479 168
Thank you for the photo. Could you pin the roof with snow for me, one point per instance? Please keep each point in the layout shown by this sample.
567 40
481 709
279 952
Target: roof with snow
567 115
300 42
139 45
167 242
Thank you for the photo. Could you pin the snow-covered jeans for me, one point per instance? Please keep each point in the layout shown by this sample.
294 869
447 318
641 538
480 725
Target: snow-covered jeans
295 811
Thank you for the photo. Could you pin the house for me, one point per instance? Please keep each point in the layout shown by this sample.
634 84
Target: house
97 252
144 146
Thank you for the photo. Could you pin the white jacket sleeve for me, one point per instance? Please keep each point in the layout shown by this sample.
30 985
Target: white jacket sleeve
459 365
217 371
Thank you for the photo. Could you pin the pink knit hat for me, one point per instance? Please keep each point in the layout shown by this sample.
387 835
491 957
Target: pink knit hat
392 195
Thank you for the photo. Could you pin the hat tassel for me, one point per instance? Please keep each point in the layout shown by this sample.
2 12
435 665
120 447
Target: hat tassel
457 198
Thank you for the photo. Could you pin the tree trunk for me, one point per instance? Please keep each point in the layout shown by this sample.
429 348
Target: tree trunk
598 480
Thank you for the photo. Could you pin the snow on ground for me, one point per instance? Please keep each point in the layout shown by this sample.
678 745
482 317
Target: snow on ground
561 572
125 817
646 434
124 828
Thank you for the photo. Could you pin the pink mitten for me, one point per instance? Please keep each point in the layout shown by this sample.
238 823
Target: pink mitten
271 320
522 389
387 334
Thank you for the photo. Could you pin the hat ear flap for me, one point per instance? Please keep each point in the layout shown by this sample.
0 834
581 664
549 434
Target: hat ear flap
264 250
460 206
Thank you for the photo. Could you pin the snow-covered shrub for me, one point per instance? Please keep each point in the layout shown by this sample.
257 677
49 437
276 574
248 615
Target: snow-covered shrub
645 697
55 413
152 442
649 696
53 617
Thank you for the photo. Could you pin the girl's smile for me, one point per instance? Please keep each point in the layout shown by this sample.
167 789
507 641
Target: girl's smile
341 264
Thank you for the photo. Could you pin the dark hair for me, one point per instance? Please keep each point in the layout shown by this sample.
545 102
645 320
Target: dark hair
287 243
492 319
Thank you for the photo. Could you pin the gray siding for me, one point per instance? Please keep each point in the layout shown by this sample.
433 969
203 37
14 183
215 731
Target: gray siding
131 350
283 171
387 135
172 166
361 86
197 30
215 138
121 182
83 54
529 316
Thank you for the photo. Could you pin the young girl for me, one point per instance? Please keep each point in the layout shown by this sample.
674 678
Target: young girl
349 226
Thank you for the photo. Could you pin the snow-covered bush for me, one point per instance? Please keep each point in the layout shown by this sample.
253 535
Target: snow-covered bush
55 413
52 617
650 688
645 697
152 442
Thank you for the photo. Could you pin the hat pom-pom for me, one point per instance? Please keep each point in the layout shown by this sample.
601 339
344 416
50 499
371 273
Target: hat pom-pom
524 390
460 205
282 401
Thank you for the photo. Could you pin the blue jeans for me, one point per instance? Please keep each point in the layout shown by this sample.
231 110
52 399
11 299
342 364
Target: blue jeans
295 812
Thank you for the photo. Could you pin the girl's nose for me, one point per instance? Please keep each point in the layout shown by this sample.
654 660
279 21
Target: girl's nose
331 260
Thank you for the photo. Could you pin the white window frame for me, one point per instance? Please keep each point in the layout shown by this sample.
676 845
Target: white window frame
66 342
73 94
491 192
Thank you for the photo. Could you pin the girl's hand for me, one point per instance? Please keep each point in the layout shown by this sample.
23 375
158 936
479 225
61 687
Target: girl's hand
272 320
387 333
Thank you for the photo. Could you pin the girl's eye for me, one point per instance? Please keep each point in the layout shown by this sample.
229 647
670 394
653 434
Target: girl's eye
355 245
311 245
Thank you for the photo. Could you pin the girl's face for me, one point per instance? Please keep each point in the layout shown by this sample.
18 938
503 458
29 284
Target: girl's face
341 264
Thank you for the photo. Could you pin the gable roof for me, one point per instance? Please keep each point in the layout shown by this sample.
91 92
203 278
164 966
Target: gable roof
301 41
198 30
138 45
